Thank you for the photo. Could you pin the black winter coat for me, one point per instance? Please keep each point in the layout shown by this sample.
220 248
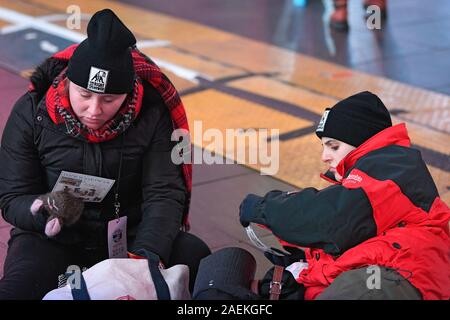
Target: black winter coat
152 191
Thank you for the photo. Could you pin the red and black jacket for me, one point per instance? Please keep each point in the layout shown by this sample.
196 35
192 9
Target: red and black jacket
386 211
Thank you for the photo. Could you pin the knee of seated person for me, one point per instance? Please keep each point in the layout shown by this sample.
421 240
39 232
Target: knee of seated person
185 240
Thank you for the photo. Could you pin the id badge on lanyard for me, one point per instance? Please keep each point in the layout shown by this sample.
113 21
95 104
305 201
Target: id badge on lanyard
117 234
117 238
117 228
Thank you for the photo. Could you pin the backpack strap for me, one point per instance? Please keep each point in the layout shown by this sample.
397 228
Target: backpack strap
80 293
161 287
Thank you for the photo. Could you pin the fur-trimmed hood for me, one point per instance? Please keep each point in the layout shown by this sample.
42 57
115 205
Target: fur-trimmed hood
45 73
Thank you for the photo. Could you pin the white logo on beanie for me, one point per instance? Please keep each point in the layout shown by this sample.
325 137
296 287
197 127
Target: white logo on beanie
97 80
321 125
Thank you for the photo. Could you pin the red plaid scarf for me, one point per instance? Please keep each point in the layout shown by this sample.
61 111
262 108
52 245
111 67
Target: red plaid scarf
59 109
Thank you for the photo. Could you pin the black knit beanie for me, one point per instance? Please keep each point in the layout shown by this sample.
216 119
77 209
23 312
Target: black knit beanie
102 63
355 119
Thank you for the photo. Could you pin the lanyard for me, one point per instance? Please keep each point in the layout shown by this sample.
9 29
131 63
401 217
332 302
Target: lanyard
116 195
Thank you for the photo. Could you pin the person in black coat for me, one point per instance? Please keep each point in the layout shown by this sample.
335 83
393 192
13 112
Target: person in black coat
91 111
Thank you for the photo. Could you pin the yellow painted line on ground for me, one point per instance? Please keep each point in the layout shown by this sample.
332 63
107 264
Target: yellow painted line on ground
317 103
275 89
222 111
340 82
148 23
211 69
424 106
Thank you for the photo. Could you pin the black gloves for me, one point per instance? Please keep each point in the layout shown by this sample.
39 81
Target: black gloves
248 212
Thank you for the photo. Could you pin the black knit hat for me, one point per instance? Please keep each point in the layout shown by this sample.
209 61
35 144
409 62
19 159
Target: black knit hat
355 119
102 63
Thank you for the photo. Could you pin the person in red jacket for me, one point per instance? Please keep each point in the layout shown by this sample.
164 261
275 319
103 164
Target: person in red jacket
381 230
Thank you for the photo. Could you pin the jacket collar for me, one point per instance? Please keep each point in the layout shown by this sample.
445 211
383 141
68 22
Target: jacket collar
395 135
329 176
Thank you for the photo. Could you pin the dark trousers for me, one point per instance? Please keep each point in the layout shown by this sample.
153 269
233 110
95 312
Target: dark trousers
33 264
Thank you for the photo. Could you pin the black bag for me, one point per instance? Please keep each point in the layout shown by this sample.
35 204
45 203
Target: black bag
278 283
225 275
228 274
